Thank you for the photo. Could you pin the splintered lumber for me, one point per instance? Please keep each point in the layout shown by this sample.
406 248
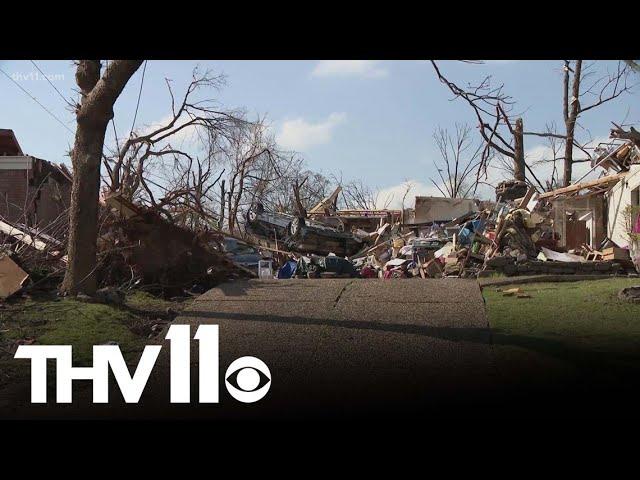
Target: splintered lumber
326 203
22 236
525 200
125 207
583 185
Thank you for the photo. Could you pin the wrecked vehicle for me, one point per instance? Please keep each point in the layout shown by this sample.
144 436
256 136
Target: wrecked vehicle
315 266
301 234
242 253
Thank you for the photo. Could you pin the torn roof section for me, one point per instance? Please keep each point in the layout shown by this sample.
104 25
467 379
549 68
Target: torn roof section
615 157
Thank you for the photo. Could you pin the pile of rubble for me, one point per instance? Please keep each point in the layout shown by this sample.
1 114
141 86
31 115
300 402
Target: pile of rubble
516 235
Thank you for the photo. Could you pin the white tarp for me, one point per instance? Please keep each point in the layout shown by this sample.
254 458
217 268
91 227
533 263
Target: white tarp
547 254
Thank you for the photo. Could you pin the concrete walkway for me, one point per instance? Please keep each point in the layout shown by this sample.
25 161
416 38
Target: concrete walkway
343 347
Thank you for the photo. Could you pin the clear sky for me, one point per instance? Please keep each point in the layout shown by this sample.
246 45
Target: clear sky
367 120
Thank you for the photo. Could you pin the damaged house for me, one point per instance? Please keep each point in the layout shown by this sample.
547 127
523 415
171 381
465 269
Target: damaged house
593 212
32 191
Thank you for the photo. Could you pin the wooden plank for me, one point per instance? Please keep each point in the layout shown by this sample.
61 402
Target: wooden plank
581 186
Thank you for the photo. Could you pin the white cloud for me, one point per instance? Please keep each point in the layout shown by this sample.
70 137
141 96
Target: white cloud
299 134
349 68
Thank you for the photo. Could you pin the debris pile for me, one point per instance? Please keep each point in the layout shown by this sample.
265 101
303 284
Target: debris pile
516 235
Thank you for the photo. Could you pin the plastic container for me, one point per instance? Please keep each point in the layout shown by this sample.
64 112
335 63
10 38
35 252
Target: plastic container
265 269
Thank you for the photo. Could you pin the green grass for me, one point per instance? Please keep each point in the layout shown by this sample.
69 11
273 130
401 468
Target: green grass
575 326
51 321
69 322
145 301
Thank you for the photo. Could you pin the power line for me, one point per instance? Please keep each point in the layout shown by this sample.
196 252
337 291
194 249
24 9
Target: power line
144 69
36 100
51 83
113 123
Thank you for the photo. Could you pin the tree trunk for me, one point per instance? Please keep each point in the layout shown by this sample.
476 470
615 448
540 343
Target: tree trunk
93 115
221 221
230 212
83 214
518 147
572 107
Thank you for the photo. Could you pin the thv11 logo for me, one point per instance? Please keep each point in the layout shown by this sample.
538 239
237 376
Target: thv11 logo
247 379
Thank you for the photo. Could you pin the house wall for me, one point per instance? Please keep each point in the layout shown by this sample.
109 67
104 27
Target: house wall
430 209
594 204
21 187
618 198
14 186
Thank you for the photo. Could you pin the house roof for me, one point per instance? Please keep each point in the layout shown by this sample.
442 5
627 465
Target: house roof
9 143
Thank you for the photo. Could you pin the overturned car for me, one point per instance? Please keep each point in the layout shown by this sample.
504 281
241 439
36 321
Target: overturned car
301 234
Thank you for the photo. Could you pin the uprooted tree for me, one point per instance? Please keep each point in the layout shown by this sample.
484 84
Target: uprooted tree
93 113
155 167
173 166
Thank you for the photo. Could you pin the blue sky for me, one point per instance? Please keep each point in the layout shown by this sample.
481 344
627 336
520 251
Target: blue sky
367 120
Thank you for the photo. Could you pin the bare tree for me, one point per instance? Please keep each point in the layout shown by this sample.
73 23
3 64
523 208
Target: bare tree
581 82
407 186
358 196
492 108
460 159
584 90
248 154
142 155
93 113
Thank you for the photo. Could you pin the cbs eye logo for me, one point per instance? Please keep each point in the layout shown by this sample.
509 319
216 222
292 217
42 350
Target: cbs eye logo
248 379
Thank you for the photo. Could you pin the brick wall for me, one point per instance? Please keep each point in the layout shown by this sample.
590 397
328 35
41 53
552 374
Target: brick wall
44 201
14 186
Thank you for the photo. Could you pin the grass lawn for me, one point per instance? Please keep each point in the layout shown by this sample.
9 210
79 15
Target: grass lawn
48 320
566 328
